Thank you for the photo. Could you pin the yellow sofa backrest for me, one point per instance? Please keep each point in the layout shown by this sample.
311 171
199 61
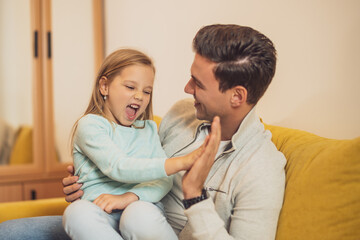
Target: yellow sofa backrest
322 195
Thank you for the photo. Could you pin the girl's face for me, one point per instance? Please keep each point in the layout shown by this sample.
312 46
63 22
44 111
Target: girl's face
128 95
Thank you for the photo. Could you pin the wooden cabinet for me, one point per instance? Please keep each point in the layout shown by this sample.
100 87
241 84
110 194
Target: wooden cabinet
31 189
40 189
11 192
41 178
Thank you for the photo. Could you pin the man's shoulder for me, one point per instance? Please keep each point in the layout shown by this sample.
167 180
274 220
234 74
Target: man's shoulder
257 153
178 126
181 114
265 149
267 163
182 106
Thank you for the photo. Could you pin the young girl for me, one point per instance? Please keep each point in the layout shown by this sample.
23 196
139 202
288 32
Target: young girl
117 153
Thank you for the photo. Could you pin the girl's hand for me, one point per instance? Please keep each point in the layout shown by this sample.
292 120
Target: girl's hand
188 160
108 202
177 164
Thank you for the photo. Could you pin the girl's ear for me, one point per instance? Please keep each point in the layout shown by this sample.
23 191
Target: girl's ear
103 86
239 96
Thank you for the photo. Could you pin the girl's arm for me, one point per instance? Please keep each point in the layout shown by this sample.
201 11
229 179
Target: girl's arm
92 139
153 191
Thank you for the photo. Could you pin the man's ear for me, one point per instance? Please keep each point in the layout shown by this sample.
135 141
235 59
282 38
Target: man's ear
103 86
239 96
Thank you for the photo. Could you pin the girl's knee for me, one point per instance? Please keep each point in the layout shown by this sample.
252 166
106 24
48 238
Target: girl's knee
141 220
140 211
85 220
76 213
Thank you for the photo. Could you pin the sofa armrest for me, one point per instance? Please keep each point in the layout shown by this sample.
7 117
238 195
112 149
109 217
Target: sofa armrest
34 208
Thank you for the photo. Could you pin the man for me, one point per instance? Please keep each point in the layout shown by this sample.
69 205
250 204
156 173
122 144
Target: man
232 68
239 194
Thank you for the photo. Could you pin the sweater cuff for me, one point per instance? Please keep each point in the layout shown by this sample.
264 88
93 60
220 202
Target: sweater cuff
137 192
203 219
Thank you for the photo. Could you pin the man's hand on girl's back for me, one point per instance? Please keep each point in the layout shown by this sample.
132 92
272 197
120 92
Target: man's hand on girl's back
71 187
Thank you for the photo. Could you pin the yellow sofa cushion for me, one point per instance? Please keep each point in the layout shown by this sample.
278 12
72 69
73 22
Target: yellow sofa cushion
41 207
22 152
7 138
322 196
157 119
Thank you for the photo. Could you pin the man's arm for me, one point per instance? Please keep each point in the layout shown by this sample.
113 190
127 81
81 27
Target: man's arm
256 202
255 212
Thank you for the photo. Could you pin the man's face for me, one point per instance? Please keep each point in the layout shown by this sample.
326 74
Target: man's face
209 100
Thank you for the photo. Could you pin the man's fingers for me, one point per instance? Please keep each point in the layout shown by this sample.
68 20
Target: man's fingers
69 180
215 137
206 141
215 128
72 188
193 179
210 145
70 169
73 197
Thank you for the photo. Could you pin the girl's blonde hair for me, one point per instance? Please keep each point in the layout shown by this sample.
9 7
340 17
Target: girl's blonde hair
110 68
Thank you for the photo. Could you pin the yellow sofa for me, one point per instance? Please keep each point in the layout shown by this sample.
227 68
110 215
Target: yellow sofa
322 195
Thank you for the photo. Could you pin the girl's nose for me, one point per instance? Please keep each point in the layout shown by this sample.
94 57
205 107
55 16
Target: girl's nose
139 96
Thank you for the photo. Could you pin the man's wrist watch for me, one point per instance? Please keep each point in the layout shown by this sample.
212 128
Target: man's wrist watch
189 202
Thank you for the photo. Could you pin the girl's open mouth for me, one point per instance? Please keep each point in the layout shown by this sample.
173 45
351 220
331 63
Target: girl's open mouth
131 111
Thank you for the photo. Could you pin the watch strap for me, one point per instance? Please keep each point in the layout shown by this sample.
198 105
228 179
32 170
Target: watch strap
189 202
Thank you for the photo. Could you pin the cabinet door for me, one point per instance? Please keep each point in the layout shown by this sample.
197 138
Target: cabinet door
73 67
44 189
11 192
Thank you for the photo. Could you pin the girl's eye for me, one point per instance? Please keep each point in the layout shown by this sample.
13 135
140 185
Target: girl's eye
147 92
130 87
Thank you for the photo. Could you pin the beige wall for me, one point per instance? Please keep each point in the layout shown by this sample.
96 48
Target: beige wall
316 87
15 63
317 84
73 66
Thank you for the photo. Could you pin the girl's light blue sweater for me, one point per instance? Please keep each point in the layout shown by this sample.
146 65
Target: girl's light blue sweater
110 158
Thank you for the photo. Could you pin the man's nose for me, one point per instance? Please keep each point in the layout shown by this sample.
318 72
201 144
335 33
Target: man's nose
189 87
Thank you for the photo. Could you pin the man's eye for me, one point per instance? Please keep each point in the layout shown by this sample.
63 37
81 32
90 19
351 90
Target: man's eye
199 85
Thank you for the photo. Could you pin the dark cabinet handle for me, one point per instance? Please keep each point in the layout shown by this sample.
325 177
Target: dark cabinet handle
49 44
36 47
33 194
36 44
